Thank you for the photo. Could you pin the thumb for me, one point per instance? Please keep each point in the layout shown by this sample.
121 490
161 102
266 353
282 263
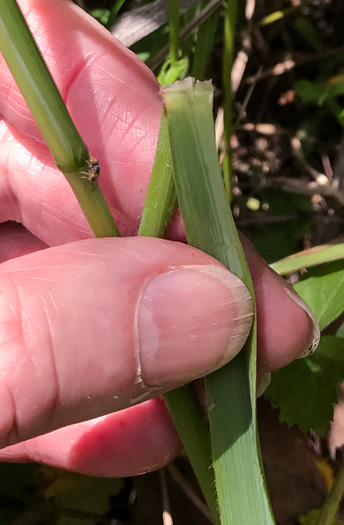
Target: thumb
95 326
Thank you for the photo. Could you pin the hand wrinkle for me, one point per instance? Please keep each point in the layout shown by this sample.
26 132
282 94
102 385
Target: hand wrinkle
57 388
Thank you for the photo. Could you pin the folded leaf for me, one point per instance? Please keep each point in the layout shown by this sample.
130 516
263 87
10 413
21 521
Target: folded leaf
312 257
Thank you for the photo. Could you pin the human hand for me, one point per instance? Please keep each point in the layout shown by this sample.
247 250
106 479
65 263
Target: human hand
91 326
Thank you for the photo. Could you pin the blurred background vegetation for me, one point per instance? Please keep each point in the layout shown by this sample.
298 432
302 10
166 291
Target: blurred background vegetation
288 81
287 146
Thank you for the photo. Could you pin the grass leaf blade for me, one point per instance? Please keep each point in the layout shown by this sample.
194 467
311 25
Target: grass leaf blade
161 201
209 226
312 257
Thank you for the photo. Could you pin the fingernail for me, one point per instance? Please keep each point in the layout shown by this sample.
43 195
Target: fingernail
190 321
314 337
263 381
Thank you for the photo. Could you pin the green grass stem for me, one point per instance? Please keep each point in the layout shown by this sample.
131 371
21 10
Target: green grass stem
205 40
173 9
194 434
227 64
50 113
331 506
114 12
161 198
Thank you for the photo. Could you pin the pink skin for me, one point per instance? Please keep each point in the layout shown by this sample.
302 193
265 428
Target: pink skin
60 355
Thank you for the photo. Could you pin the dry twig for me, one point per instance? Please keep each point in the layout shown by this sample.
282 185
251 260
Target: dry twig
179 479
166 507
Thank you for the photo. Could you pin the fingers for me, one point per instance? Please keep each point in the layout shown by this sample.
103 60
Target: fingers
96 326
137 439
127 127
114 101
285 330
130 442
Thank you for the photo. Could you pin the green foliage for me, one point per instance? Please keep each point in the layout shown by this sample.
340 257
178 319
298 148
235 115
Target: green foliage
322 95
306 390
308 258
149 46
87 496
205 41
102 15
106 16
312 93
312 517
170 72
340 331
305 27
323 291
33 495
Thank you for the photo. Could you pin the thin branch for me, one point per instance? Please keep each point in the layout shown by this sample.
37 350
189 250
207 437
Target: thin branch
338 166
289 63
306 188
166 506
180 480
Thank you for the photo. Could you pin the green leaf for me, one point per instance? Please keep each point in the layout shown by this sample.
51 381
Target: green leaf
205 40
170 72
309 33
310 92
323 291
340 331
336 89
100 14
311 257
306 390
322 95
312 518
86 495
209 226
89 495
113 13
161 201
